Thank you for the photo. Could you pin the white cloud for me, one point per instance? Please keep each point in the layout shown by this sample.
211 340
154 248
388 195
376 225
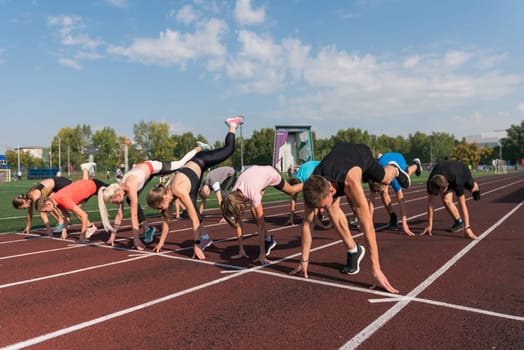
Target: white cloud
117 3
369 90
186 15
456 58
176 48
69 28
70 63
264 66
246 15
520 107
411 62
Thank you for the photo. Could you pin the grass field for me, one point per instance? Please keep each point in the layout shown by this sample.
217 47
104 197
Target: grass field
12 219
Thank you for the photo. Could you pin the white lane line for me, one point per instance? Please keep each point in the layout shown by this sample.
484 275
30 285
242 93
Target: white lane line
449 306
82 325
43 278
363 335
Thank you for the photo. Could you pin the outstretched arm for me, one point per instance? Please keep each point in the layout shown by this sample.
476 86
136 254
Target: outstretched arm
429 227
354 191
403 216
309 216
166 215
468 232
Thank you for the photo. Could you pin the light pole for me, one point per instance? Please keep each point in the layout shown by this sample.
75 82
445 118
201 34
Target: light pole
59 155
241 150
18 172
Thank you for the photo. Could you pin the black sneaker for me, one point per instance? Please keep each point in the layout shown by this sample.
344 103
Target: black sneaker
270 245
323 219
353 261
417 162
457 226
393 220
402 177
476 195
354 223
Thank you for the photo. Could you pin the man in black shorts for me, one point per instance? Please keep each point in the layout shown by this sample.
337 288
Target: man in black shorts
446 178
339 174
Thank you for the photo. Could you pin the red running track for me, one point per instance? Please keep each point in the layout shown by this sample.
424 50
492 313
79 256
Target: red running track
454 293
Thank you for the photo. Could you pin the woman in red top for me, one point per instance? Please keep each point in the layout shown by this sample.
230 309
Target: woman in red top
70 198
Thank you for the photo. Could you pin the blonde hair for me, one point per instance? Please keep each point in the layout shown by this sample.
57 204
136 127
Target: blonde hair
106 195
315 189
40 204
233 207
155 196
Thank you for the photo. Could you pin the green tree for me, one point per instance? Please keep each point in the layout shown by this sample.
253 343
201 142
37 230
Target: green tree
184 143
259 148
108 146
513 144
420 147
467 153
27 161
441 146
153 141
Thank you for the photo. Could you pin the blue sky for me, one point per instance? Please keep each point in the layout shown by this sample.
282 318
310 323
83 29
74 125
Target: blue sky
385 66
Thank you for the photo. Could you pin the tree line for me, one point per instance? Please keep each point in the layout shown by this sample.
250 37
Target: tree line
153 141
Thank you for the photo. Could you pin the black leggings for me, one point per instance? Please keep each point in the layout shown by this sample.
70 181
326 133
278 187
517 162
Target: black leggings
207 159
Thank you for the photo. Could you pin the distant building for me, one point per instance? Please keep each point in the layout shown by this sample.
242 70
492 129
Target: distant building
3 162
35 151
487 139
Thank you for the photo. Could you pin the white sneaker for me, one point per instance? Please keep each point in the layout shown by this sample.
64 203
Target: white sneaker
90 231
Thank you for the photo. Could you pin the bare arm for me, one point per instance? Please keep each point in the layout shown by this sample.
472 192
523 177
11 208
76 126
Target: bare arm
239 233
118 220
403 216
309 216
166 216
258 215
353 190
465 213
429 227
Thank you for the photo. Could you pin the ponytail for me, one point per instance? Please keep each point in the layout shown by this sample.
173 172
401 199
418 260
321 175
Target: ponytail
102 208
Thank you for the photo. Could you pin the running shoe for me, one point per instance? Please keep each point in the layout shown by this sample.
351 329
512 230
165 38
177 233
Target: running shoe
417 162
476 195
393 221
236 121
353 261
90 231
58 228
205 241
402 177
269 245
203 146
149 234
457 226
354 223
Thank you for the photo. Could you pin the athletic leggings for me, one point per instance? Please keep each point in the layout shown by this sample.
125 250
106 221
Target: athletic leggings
205 160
